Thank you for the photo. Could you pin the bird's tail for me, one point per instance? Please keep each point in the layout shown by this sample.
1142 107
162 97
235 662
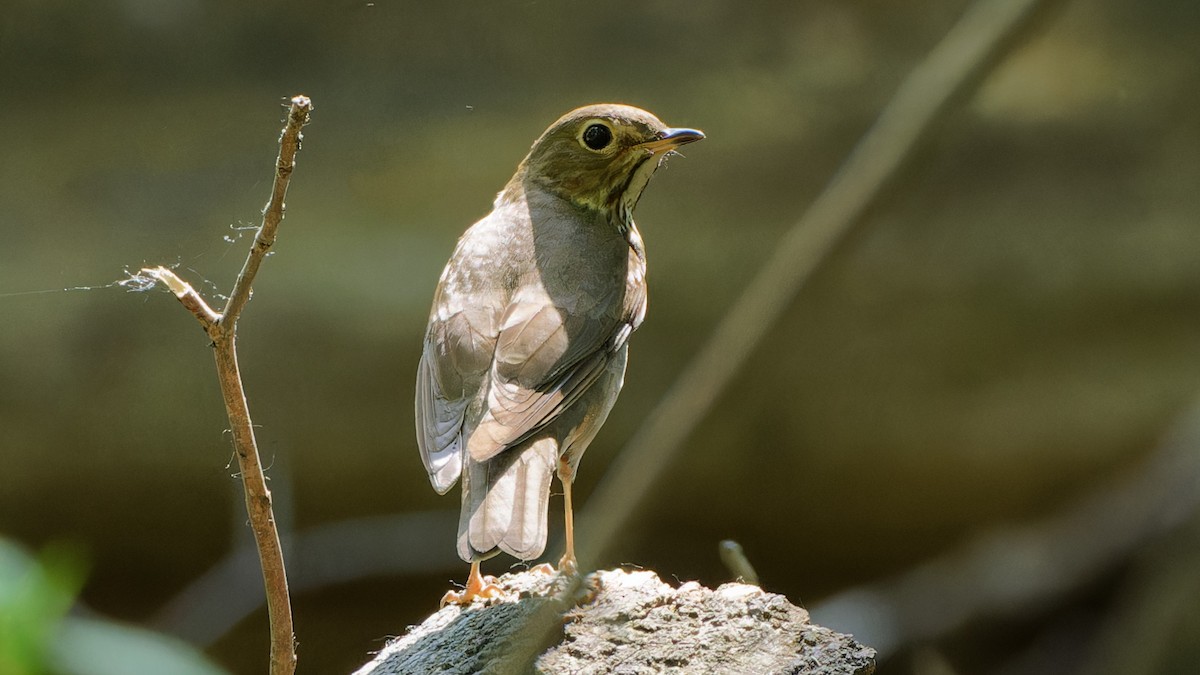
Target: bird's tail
505 500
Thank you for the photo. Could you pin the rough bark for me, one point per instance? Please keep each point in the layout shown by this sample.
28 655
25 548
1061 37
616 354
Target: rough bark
621 622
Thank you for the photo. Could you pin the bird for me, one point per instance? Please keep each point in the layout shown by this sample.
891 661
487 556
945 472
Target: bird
525 350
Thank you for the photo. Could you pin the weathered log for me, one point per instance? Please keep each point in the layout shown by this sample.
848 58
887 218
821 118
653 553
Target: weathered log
616 621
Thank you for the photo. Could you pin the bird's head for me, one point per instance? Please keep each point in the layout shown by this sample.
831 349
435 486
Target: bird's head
600 156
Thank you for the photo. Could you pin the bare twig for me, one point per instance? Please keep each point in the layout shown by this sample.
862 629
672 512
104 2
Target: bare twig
959 62
289 144
187 296
222 329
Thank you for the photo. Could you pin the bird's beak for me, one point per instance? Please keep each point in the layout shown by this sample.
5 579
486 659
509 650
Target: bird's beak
669 139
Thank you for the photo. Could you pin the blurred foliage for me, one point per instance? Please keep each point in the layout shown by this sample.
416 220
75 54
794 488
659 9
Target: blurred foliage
98 647
37 636
1014 322
35 594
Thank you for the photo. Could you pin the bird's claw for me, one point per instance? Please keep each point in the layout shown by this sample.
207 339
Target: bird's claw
486 588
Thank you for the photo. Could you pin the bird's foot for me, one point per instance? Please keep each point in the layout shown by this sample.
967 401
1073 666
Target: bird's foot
544 568
567 565
484 587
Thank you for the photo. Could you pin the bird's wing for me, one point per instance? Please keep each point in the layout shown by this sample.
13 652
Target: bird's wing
454 363
548 353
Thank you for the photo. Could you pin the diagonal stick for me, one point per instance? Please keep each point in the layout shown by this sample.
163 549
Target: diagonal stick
955 67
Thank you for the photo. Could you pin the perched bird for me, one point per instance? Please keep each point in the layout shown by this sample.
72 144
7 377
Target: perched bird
525 350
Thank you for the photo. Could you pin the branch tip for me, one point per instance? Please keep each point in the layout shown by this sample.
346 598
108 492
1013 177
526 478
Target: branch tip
169 279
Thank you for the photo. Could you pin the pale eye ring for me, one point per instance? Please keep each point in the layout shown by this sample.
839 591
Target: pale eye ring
596 136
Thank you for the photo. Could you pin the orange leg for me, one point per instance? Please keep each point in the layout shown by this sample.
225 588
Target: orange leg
478 586
567 565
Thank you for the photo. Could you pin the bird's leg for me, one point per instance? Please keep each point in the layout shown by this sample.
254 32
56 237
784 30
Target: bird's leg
567 564
478 586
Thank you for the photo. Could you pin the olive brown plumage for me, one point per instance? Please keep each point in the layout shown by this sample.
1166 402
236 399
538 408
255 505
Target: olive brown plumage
525 350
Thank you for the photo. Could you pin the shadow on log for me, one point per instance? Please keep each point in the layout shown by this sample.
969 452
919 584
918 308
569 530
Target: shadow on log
622 622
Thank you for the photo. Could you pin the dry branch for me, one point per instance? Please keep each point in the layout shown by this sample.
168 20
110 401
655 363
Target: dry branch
968 52
222 330
622 622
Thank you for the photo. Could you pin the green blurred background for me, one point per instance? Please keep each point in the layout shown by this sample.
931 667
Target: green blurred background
1013 325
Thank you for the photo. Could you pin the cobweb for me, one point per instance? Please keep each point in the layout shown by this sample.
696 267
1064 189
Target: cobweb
137 282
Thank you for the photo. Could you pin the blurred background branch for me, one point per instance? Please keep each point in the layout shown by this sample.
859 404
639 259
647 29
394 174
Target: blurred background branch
1022 570
322 557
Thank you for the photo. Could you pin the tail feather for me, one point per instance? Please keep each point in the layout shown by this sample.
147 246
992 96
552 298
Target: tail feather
505 501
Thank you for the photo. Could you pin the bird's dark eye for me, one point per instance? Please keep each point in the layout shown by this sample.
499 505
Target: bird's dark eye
597 136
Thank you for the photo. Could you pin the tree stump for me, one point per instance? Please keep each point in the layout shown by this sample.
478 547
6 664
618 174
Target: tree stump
615 621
